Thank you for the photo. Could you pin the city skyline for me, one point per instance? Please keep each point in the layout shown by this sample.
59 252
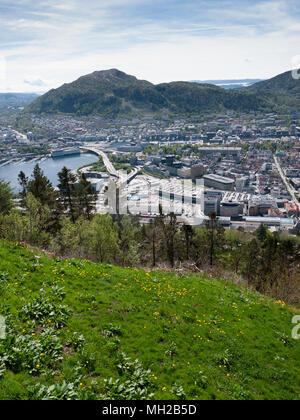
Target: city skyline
46 44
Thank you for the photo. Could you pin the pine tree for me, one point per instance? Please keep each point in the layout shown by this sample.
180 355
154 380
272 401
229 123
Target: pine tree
188 235
23 181
151 239
252 261
86 198
215 236
169 226
262 233
41 188
67 191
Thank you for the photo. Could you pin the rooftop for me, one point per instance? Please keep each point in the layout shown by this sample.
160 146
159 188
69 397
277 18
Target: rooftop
218 178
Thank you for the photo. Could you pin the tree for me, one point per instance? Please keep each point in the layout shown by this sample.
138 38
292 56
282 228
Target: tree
69 237
199 247
215 236
104 241
188 235
23 181
67 191
268 267
84 231
41 188
169 226
151 238
6 198
236 242
128 244
262 233
288 252
86 198
252 261
14 226
39 217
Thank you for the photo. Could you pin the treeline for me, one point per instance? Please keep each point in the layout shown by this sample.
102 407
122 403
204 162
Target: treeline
63 221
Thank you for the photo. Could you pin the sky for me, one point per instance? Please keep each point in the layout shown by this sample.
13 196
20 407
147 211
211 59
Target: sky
44 44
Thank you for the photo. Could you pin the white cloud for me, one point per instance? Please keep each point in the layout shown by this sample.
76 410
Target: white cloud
58 42
39 83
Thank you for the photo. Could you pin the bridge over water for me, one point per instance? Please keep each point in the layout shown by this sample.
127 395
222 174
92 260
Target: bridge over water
122 178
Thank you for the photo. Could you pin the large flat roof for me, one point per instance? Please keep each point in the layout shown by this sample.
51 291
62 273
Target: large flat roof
219 178
269 220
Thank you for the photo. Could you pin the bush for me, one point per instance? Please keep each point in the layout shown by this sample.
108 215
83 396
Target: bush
64 391
138 383
43 311
31 353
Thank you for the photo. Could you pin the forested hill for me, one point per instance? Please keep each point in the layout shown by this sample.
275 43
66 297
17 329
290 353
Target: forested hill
16 99
113 93
283 90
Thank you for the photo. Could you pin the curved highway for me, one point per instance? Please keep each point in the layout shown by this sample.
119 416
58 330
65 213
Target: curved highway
123 178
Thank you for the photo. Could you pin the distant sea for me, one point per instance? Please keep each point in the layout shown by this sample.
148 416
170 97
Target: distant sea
229 84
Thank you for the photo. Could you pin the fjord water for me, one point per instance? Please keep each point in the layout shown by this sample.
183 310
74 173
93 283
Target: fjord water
51 167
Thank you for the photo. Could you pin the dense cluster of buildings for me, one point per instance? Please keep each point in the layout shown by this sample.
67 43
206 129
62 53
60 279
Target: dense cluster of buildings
249 164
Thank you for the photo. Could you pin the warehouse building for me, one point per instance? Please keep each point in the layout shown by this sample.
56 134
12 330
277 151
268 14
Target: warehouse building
219 182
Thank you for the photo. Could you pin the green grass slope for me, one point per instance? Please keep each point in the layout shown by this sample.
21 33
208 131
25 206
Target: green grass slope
79 330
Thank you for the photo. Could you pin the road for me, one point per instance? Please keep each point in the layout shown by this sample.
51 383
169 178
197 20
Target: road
286 182
109 166
123 177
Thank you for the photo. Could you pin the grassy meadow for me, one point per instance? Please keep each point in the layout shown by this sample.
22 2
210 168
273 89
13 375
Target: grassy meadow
80 330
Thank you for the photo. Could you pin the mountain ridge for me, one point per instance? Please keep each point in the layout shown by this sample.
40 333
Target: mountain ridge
16 99
113 93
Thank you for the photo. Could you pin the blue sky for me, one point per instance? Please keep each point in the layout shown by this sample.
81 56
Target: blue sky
46 43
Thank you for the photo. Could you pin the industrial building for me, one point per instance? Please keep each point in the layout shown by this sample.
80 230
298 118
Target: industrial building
282 223
233 151
219 182
230 209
